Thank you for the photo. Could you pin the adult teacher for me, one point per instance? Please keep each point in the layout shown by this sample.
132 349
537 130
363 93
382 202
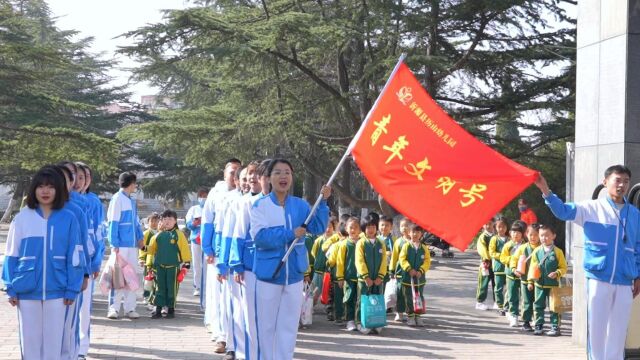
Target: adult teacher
276 220
611 259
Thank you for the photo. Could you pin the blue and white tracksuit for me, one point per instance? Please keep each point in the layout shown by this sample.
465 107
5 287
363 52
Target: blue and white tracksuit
124 232
44 264
196 249
241 262
95 215
279 300
211 230
611 264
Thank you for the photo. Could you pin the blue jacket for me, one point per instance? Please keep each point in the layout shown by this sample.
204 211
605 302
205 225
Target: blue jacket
611 237
229 211
95 214
242 245
272 230
123 223
44 258
77 205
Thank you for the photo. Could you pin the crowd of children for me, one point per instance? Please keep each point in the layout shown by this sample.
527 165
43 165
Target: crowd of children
524 265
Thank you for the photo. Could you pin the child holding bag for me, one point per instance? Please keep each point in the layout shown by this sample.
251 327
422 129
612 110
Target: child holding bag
415 261
548 265
371 264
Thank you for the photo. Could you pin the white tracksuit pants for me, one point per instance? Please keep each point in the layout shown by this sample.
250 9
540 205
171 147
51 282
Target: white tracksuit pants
216 305
608 313
70 340
278 310
196 264
248 303
85 318
125 297
235 318
41 328
205 287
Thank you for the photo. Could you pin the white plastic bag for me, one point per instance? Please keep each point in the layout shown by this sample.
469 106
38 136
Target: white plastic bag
306 315
390 294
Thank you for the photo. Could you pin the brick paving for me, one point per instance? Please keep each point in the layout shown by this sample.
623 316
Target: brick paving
454 329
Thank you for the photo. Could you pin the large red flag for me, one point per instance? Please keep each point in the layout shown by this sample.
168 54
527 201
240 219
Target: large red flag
429 168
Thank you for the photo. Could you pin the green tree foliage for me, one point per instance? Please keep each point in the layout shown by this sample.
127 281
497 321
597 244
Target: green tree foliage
297 78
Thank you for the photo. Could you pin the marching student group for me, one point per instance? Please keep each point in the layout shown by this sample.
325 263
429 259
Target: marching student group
247 225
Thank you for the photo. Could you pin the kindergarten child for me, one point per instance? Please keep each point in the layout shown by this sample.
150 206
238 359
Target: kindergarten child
152 220
552 264
331 246
415 261
518 229
485 272
320 257
346 272
527 295
371 264
169 249
495 248
395 265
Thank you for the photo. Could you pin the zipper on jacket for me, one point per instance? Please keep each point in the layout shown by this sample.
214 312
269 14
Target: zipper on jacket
51 240
615 253
44 261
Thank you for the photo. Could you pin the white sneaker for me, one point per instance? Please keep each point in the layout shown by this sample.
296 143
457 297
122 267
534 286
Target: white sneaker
151 307
419 321
196 292
112 314
412 322
133 314
405 318
513 321
165 310
495 306
398 317
363 330
481 306
145 301
209 328
351 325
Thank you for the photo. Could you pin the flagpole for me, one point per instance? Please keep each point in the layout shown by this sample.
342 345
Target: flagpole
352 144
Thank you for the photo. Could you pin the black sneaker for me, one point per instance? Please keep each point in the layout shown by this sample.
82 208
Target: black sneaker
538 330
526 326
554 331
230 355
157 313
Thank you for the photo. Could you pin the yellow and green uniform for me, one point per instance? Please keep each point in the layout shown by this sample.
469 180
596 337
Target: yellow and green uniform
389 242
319 261
169 249
549 260
513 282
416 258
346 270
395 265
330 247
142 255
527 295
371 262
483 250
495 248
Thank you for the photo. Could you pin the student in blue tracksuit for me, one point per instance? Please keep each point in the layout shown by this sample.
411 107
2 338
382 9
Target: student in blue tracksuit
125 236
95 215
611 259
210 234
193 220
44 265
276 220
77 206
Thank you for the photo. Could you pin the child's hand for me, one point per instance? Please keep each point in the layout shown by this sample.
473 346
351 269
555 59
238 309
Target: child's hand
307 279
141 262
13 301
377 282
553 275
517 273
413 273
187 265
368 281
530 287
340 284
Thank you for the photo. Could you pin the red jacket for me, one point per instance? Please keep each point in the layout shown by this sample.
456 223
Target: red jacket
528 216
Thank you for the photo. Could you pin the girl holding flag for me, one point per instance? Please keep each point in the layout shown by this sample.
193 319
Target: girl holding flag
276 221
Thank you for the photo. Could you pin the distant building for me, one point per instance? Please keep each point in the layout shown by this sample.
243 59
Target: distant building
153 103
117 108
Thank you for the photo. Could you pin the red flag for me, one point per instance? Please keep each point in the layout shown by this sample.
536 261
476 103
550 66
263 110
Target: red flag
429 168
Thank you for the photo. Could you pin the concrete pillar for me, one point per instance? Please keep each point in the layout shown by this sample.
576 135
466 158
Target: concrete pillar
607 113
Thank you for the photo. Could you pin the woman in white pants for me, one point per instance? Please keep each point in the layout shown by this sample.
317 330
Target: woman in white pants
276 220
44 265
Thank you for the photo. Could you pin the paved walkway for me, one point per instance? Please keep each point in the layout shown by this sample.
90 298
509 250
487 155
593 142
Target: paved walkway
455 330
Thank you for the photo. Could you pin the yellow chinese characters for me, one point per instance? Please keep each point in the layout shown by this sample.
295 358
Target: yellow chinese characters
396 148
472 194
381 127
446 184
417 169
